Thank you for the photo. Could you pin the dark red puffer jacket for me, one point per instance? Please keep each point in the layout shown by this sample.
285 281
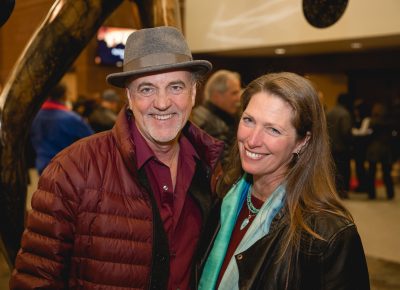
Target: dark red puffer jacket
92 224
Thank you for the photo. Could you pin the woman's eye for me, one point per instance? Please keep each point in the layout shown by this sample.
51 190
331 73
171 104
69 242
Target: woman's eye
273 131
247 120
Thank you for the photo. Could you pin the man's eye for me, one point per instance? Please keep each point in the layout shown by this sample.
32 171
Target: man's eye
146 91
273 131
176 89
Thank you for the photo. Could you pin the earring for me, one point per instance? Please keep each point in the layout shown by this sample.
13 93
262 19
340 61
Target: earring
297 154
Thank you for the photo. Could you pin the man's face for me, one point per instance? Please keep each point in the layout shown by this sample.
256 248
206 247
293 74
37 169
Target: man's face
161 104
229 101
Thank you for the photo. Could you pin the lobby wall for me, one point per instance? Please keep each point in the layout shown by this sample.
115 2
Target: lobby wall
84 77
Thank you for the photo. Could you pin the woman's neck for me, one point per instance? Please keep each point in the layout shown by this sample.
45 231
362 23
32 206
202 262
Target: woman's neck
264 186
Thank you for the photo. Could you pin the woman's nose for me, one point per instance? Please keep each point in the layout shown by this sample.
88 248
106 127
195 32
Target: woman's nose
255 138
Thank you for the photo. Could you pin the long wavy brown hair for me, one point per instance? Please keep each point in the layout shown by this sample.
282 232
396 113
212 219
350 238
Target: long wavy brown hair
309 179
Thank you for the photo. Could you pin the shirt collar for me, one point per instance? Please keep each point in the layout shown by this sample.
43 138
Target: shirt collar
54 105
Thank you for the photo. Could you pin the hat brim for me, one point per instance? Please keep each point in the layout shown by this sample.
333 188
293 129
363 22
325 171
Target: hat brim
119 80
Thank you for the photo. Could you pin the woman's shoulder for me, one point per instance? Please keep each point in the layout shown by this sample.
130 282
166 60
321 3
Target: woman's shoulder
330 227
328 224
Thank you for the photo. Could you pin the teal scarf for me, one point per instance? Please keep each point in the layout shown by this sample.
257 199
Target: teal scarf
230 209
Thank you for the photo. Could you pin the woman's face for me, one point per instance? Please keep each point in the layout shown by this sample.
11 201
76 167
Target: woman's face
266 137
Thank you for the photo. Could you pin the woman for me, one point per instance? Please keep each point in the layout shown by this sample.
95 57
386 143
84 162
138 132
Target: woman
282 224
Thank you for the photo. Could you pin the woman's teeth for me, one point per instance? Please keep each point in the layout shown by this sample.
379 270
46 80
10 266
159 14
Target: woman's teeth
253 155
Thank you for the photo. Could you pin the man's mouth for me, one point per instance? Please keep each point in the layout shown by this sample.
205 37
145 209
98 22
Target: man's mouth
162 117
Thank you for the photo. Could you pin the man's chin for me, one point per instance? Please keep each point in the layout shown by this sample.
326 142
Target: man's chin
165 139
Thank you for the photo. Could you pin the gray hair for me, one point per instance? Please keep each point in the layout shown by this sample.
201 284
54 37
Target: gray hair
218 82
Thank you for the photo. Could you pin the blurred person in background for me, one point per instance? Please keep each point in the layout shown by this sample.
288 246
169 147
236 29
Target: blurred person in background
361 132
55 127
395 117
217 115
339 128
380 150
84 106
104 114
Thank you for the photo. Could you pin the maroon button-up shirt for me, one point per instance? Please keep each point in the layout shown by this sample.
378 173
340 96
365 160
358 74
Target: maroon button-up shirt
180 214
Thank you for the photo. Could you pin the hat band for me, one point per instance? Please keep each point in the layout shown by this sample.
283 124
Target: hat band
155 59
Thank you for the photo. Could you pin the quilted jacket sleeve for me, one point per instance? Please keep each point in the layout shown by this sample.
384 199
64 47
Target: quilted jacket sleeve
46 246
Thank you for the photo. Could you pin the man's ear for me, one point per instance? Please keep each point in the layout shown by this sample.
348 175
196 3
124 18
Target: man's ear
128 96
194 90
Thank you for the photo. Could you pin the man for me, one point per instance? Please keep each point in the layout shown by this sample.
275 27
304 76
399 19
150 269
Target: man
339 128
55 127
104 114
124 209
218 113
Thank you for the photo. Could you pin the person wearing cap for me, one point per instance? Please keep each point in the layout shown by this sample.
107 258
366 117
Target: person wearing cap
104 114
124 209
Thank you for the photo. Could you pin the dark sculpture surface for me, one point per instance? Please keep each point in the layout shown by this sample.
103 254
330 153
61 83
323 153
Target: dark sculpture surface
59 40
323 13
7 7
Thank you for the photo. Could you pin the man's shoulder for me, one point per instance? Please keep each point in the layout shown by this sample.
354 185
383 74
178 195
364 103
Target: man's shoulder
97 143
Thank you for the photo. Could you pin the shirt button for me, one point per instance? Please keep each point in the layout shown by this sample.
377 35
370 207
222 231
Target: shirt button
165 188
239 257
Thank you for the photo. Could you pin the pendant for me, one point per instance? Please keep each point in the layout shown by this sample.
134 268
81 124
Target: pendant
245 223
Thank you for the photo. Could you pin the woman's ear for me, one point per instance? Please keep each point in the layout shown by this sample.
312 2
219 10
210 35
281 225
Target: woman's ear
303 143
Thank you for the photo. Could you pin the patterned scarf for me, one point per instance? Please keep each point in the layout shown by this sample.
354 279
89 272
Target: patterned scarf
230 208
259 228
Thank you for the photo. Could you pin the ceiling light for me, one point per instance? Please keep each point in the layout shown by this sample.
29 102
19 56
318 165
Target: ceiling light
280 51
356 45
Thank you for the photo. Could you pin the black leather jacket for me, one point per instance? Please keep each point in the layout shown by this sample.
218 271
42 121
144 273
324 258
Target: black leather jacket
335 263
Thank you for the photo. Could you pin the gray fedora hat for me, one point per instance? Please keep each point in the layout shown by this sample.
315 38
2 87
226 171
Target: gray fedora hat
154 50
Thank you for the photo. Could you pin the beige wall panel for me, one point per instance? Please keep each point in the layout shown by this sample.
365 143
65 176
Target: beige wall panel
240 24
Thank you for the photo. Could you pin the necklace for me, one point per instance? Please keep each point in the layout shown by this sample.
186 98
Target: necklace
253 211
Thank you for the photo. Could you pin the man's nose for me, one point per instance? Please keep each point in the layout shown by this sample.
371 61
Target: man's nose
162 101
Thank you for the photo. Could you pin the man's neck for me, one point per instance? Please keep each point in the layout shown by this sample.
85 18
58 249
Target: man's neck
169 155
